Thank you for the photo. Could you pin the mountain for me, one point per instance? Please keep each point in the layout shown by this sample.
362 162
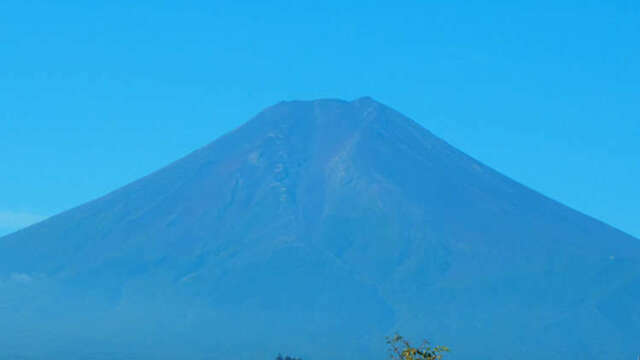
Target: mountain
316 229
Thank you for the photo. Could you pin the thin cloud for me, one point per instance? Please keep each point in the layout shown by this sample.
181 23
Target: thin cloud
21 278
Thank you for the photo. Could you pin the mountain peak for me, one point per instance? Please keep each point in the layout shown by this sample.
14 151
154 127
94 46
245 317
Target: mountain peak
327 102
327 113
327 224
366 100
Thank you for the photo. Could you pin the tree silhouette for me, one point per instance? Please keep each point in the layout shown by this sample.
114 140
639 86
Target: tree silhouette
287 357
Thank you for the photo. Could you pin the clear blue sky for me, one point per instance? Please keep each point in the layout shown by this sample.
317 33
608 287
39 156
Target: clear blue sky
96 94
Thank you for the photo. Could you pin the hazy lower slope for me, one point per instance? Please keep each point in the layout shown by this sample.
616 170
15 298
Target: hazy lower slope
318 228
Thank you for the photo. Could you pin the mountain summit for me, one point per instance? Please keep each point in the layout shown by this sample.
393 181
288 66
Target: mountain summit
317 228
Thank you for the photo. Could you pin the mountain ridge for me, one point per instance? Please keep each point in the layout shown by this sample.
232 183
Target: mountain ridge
362 99
335 221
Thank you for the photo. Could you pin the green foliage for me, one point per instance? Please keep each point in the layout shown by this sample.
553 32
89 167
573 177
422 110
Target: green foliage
401 349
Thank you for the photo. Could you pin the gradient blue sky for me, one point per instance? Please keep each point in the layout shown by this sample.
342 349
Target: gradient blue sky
96 94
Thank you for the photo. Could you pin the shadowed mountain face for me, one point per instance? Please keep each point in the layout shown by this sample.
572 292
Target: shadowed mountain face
316 229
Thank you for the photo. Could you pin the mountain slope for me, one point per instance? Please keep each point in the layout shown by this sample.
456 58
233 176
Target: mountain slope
318 228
